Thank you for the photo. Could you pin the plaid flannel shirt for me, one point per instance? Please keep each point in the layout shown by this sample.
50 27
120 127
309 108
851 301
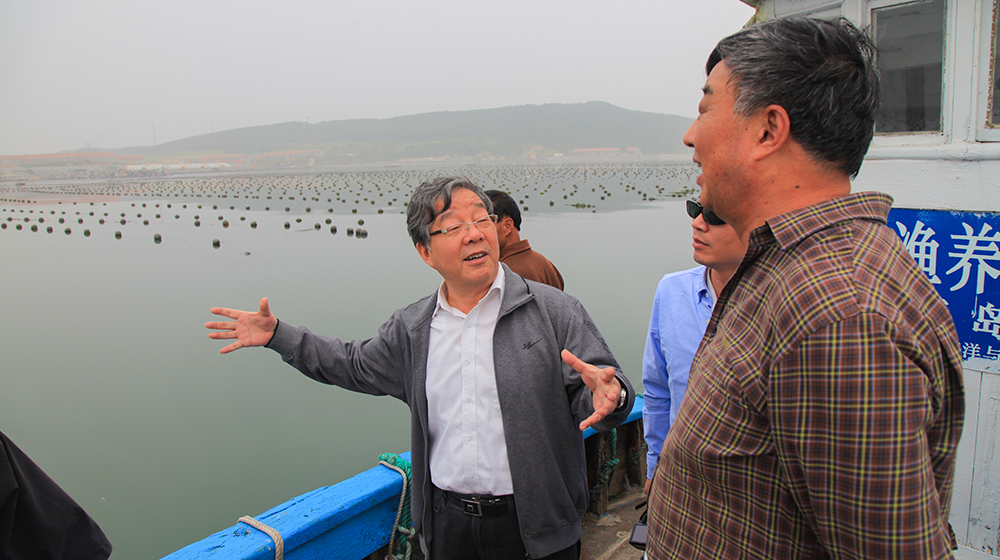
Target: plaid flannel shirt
825 403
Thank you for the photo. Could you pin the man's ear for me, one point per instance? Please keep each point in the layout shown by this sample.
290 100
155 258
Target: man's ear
774 132
506 224
425 253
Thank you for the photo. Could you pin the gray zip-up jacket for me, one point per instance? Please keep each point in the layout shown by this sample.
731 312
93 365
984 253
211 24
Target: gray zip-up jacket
542 400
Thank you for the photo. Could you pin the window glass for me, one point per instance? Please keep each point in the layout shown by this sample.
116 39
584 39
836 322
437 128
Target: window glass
910 39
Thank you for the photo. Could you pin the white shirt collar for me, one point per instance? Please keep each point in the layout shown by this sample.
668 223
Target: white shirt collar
496 287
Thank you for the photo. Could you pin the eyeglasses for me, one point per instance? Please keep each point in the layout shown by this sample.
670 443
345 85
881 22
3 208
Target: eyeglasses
695 208
480 223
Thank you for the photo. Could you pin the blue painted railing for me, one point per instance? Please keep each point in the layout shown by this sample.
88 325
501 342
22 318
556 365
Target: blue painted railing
346 521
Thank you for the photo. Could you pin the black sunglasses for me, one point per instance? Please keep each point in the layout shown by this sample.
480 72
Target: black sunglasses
695 208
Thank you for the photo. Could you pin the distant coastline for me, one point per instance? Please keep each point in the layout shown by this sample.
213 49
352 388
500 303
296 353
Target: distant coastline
553 133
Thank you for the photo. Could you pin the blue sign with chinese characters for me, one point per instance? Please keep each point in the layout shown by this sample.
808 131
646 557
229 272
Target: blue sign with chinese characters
960 253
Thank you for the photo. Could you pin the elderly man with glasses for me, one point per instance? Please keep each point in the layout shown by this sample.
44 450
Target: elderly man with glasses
492 368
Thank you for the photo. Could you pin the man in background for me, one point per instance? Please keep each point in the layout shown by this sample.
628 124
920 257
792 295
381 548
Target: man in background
682 308
516 252
825 404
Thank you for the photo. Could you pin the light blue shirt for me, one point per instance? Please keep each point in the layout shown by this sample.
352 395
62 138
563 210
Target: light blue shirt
682 308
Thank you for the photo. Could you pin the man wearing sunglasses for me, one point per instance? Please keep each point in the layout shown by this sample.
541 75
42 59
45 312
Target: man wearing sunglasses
492 368
682 308
825 403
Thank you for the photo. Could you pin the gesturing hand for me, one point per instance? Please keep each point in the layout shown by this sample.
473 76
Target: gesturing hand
249 329
601 382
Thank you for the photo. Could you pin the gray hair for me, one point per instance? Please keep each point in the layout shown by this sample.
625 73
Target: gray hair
821 72
420 212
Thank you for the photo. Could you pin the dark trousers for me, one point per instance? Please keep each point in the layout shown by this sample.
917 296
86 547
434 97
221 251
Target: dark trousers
457 535
38 521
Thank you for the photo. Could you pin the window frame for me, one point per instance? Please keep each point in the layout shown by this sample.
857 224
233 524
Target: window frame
987 71
922 137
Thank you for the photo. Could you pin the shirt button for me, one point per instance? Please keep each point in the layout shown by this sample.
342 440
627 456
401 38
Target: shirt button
468 437
468 325
468 399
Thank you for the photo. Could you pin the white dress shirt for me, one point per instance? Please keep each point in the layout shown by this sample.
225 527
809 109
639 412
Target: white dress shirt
468 452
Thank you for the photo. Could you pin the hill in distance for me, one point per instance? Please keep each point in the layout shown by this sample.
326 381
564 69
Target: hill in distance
501 133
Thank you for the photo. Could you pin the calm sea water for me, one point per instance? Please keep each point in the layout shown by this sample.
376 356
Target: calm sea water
110 383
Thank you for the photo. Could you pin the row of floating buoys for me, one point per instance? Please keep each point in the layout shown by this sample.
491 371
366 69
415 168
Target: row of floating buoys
157 238
374 182
580 186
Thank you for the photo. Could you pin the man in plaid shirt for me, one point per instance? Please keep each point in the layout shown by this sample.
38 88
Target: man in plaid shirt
825 403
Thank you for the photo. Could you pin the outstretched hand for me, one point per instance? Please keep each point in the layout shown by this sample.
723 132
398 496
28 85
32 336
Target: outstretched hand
249 329
601 382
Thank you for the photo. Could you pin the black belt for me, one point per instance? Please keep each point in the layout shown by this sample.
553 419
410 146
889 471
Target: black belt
481 506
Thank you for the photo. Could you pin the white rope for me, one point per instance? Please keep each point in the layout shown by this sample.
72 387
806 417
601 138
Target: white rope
279 544
399 511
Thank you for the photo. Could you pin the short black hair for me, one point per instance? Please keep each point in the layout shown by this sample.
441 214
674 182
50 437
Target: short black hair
504 205
822 73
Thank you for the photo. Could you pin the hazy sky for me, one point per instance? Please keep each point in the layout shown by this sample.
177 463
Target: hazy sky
106 72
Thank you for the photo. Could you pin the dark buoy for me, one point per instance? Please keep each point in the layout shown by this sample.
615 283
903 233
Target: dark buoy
361 234
216 243
118 235
48 229
86 233
253 225
333 229
225 223
317 227
361 222
197 223
287 225
68 231
350 232
157 238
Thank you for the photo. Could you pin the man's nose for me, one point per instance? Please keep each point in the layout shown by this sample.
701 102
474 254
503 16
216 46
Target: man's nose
473 233
689 135
699 223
